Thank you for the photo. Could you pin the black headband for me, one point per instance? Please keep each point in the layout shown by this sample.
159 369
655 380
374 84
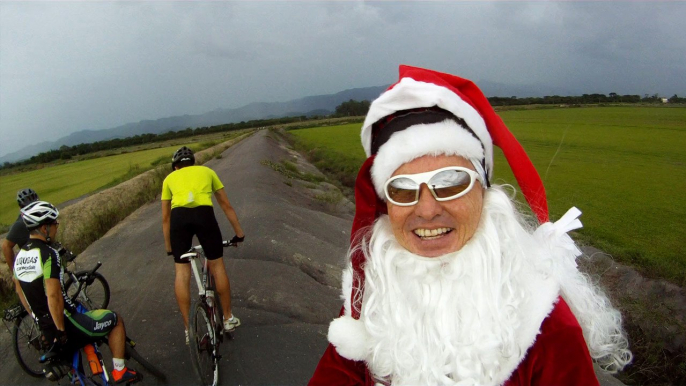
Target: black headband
401 120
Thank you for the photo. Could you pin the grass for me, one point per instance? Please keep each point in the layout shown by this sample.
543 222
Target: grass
624 167
290 171
335 150
61 183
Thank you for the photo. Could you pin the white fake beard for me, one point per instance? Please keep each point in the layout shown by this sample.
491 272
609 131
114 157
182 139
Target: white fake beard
452 319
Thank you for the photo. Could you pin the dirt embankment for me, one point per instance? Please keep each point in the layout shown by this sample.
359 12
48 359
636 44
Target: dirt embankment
654 313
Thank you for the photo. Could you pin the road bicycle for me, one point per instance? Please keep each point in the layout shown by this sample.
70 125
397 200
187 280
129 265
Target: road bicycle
35 358
57 365
89 288
206 324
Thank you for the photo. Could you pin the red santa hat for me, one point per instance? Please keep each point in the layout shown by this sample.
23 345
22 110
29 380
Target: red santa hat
428 112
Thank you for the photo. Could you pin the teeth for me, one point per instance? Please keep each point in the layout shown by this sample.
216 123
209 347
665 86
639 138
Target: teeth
431 232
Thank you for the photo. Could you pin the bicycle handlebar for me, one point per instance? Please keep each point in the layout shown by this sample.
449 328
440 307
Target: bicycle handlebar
227 243
193 252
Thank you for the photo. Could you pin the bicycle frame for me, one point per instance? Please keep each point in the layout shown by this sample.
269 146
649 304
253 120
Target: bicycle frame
56 364
203 281
76 362
207 342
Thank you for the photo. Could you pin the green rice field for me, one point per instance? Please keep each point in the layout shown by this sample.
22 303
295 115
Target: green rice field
624 167
61 183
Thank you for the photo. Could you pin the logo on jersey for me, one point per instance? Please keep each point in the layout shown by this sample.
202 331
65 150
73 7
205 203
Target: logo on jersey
27 266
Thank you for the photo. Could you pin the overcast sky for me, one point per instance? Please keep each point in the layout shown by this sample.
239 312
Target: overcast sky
70 66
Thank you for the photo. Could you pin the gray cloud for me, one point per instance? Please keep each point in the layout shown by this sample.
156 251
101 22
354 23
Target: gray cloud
73 66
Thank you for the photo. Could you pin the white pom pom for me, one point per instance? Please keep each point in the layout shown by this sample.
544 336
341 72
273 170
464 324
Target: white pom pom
349 336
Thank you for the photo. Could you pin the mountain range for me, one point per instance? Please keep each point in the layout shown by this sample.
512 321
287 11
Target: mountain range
309 106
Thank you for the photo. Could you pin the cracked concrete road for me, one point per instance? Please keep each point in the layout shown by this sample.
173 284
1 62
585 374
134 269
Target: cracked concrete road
284 277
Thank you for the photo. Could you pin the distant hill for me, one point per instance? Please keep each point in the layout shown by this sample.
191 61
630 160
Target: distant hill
309 106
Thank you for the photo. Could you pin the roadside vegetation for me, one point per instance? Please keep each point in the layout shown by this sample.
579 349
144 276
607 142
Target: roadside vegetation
624 167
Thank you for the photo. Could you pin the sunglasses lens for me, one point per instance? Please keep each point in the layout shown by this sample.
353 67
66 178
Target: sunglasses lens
402 190
450 183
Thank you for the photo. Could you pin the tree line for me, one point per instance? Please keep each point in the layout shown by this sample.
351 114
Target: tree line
582 100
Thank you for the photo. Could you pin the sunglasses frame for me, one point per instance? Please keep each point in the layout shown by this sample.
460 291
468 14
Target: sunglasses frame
424 178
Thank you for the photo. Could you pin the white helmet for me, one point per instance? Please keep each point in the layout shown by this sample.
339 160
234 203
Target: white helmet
39 213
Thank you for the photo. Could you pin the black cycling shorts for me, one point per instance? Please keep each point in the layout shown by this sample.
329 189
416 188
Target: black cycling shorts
200 222
89 327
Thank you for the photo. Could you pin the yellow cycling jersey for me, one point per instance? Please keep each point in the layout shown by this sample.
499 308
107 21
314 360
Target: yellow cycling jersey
191 186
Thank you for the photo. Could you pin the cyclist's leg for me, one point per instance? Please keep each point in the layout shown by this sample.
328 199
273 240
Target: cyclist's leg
182 290
181 233
222 284
117 339
210 238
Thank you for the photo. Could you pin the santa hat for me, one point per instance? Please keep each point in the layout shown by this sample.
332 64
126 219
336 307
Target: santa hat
428 112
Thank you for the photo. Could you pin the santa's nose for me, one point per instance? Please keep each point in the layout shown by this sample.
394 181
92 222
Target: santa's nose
427 207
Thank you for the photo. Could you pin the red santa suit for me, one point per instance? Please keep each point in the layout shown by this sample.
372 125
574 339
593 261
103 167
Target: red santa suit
546 344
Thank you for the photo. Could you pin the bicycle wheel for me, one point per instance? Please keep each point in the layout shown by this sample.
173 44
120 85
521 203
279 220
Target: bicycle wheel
203 344
131 353
26 339
95 293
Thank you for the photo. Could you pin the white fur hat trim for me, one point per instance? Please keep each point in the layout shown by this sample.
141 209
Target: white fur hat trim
446 137
350 338
410 94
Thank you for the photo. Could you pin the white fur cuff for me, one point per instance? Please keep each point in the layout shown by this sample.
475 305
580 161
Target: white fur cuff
350 338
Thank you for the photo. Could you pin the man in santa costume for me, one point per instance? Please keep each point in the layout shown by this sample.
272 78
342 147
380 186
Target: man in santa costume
446 282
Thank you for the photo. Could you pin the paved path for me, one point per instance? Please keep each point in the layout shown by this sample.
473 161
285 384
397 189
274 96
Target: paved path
284 277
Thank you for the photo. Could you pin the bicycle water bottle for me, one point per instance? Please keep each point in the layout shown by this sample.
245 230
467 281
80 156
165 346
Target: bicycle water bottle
93 360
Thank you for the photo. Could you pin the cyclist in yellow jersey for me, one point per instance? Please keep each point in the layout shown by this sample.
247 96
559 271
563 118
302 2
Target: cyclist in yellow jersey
186 212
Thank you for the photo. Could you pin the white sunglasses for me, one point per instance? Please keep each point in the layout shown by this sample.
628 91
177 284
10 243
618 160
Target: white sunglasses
445 184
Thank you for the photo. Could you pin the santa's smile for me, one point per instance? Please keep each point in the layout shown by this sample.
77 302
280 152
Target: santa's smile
431 234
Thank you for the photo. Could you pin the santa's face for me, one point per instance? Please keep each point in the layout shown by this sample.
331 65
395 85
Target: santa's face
433 228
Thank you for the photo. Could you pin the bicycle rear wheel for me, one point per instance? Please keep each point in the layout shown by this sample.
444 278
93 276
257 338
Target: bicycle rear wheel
131 353
203 343
26 342
95 293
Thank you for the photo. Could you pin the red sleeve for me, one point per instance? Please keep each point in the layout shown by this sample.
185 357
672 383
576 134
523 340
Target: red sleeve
559 356
334 370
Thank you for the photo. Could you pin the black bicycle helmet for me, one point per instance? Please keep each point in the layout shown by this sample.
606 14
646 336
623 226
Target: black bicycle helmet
26 196
39 213
182 155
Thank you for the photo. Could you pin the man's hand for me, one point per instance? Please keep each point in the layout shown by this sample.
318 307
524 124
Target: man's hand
61 338
235 240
